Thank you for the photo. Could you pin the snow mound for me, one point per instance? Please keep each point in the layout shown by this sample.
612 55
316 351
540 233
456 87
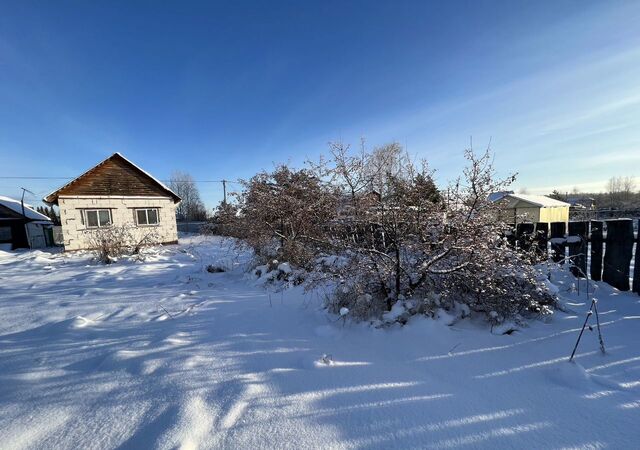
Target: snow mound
574 376
284 268
81 322
398 313
571 375
507 328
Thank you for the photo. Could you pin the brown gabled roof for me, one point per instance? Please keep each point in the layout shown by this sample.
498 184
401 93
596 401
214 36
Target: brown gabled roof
116 176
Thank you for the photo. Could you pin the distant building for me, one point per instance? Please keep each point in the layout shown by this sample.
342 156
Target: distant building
21 226
582 202
519 208
115 192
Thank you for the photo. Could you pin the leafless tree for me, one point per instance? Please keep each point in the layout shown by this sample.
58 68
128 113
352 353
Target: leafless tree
621 190
191 207
628 187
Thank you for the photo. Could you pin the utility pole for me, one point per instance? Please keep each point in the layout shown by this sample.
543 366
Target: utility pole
22 200
224 191
26 228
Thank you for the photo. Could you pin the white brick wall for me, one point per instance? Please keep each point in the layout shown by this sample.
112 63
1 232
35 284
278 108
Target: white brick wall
76 233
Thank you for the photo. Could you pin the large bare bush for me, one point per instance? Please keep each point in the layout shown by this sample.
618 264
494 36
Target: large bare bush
375 225
283 214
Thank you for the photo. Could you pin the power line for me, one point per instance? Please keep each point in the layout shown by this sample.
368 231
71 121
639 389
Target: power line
36 178
164 181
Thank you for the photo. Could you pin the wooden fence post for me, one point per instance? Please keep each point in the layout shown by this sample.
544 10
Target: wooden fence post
617 257
542 239
636 269
557 240
577 241
511 234
524 233
596 249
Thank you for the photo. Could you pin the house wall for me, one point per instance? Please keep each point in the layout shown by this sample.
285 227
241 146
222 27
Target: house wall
554 214
518 211
527 214
77 236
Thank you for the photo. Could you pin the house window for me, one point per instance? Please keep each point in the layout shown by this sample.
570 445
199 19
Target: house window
5 233
96 218
147 216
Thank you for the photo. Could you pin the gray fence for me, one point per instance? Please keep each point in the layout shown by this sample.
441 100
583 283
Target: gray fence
58 238
191 227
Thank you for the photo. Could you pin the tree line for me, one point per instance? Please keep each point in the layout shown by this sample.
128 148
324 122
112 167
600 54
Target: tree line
50 213
619 193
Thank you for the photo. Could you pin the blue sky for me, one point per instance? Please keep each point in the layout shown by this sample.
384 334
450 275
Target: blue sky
222 90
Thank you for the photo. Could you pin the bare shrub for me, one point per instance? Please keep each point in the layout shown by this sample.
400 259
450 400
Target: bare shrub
224 221
112 242
282 212
375 225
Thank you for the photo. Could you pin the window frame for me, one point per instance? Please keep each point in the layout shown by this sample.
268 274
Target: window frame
146 215
97 211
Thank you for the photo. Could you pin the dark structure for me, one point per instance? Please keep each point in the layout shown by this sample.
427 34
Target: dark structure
577 242
23 230
636 269
617 257
558 240
597 239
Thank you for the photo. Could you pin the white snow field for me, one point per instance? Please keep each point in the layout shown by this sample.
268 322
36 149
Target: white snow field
163 354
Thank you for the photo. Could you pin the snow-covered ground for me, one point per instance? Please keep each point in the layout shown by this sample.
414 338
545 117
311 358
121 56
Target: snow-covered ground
163 354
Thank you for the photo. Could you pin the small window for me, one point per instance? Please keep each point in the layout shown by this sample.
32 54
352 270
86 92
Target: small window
96 218
147 216
141 215
5 233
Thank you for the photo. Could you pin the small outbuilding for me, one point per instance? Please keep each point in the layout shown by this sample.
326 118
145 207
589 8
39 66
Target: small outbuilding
117 193
21 226
519 208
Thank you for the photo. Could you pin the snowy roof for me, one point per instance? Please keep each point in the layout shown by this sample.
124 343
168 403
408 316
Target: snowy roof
538 200
16 206
495 196
52 197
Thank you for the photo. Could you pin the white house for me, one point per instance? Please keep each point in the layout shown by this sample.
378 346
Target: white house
518 208
115 192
